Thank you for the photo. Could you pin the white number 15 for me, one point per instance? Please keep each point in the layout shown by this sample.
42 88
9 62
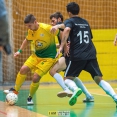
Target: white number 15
83 37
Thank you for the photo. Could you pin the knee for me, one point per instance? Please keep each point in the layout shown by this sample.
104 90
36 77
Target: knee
52 72
24 70
36 78
97 79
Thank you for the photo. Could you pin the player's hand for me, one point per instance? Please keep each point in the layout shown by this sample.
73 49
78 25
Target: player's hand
53 29
59 52
66 50
17 54
115 41
1 48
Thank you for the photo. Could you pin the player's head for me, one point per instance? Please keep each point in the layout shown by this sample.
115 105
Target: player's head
30 22
56 18
73 8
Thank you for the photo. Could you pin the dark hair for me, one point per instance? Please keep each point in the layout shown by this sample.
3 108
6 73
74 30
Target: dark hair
73 8
29 19
57 15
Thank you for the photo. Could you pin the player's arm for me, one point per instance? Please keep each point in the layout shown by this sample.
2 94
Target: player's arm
115 40
65 48
65 36
56 27
24 44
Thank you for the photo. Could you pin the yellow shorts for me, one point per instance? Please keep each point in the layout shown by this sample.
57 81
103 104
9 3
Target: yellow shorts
39 65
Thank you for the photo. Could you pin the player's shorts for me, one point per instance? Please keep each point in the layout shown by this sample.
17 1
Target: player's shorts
39 65
74 68
67 59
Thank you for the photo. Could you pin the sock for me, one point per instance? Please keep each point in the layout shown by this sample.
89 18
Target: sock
83 88
60 81
19 81
33 88
71 84
107 88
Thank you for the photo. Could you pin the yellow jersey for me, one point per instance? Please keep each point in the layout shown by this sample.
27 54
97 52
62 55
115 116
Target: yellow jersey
43 40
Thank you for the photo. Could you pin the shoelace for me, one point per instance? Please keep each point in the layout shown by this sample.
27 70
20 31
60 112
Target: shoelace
29 99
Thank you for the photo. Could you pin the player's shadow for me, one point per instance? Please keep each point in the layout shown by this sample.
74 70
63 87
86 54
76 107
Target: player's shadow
85 112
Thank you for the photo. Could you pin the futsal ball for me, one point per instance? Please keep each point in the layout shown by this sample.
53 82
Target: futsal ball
11 98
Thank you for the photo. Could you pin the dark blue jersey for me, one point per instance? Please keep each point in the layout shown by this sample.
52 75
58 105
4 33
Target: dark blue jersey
81 45
61 30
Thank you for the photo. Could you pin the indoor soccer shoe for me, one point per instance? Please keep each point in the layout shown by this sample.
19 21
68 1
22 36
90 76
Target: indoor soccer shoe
10 90
73 99
29 101
90 99
65 93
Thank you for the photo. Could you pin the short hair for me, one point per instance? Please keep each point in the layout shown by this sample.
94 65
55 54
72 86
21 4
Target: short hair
57 15
30 18
73 8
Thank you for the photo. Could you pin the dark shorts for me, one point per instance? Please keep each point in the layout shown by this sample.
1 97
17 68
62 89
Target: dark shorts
66 61
74 68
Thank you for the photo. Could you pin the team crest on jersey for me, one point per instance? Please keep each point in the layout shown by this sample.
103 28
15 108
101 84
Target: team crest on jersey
41 35
40 44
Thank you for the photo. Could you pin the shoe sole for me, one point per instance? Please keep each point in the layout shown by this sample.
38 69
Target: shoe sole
88 101
69 95
73 99
30 103
64 94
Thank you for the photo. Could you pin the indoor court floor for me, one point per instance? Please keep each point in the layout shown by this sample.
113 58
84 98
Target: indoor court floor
47 104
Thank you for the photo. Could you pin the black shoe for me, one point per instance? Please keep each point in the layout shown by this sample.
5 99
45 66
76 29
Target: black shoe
30 101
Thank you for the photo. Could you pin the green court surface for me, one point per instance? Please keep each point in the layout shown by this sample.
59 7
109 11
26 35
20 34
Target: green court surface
47 103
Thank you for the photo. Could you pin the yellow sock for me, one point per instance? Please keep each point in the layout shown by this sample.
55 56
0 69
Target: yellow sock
19 81
33 88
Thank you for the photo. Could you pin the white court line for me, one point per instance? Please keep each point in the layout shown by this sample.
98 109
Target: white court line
101 94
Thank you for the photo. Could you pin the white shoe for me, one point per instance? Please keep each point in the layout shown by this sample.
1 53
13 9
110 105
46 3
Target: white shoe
6 91
30 101
10 90
65 93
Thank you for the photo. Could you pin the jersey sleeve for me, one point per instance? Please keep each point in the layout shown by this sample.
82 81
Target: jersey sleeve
48 28
29 35
68 23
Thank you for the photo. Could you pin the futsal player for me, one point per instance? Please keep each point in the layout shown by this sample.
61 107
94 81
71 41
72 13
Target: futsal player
82 52
57 18
41 60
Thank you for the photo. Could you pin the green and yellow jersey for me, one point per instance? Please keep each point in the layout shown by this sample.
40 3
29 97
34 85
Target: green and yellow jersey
43 41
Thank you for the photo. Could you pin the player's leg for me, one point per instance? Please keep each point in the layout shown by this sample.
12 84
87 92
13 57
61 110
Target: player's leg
43 67
89 97
54 72
76 91
34 86
28 65
21 76
93 68
74 68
